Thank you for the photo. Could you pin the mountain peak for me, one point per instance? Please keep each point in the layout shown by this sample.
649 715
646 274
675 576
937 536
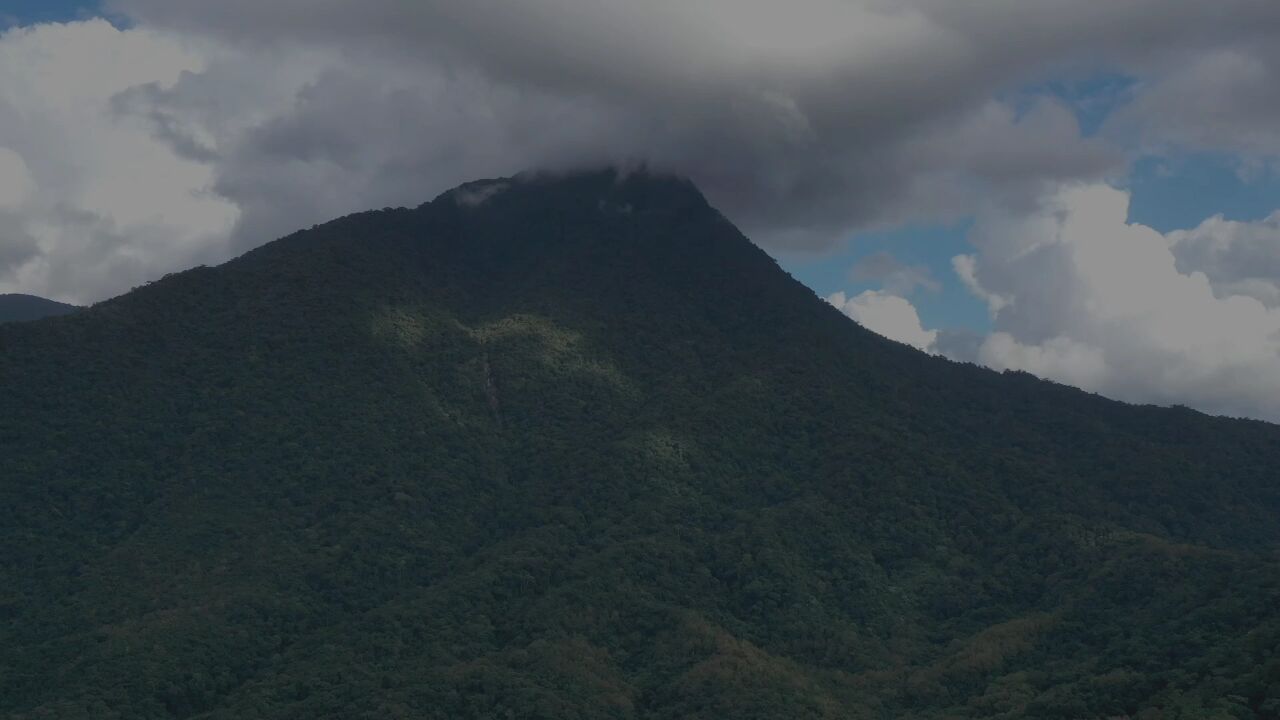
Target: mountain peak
618 189
570 445
594 233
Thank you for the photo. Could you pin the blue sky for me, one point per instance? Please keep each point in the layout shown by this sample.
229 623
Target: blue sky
950 306
1167 192
1180 192
26 12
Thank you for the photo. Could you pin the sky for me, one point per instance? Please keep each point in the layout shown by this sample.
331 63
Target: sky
1084 191
26 12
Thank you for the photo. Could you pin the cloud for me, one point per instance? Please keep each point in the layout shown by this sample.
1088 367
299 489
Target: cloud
887 311
966 268
894 276
90 202
1059 358
784 116
16 184
1093 300
1225 100
803 121
1238 258
886 314
959 344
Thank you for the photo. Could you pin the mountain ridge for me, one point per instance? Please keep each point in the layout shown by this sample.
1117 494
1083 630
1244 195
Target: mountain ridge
577 448
17 307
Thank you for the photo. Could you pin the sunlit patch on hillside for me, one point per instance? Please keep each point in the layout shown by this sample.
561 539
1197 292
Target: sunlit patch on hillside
562 351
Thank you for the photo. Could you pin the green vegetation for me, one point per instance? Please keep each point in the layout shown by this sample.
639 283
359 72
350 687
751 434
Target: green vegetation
582 451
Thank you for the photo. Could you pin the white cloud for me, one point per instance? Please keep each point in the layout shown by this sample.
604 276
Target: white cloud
886 314
1059 358
1239 258
1098 302
114 206
966 268
16 184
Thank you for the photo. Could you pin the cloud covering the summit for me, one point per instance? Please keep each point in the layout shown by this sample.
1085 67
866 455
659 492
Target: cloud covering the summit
187 131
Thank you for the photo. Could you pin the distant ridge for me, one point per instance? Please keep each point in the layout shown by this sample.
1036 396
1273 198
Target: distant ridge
20 308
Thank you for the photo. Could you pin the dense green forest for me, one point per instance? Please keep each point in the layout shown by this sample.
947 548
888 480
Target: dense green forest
575 448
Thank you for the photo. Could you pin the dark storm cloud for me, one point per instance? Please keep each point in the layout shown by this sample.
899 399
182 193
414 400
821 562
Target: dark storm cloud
803 121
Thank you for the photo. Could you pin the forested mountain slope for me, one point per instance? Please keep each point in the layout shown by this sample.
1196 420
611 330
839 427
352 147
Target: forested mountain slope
575 448
19 308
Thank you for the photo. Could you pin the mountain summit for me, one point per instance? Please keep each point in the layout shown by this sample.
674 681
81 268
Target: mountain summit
573 447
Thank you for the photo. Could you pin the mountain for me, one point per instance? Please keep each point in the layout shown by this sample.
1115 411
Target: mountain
573 447
20 308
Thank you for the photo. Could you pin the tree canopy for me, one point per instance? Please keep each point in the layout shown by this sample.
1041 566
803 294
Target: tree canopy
574 448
